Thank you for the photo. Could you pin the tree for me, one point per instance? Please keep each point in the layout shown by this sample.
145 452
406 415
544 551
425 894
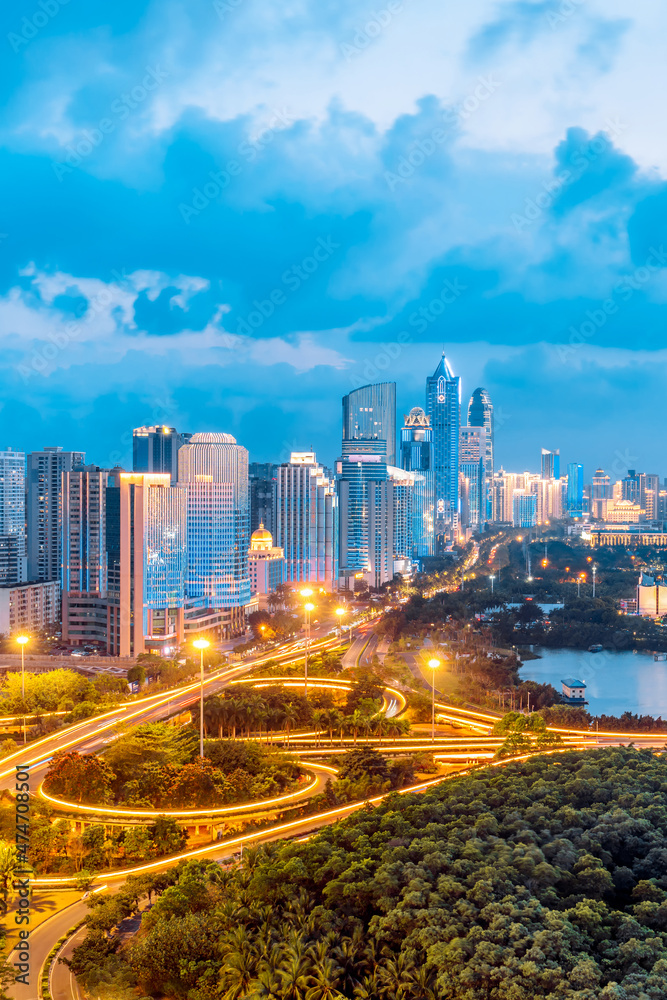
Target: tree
167 836
356 764
79 777
137 674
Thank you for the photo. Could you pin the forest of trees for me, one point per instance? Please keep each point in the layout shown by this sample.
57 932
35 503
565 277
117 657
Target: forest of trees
541 879
157 766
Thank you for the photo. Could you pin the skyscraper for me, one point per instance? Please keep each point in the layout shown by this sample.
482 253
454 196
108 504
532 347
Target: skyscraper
602 492
362 465
369 414
480 414
153 561
575 489
84 555
550 464
306 521
262 495
12 517
472 466
443 409
43 488
416 452
155 449
213 469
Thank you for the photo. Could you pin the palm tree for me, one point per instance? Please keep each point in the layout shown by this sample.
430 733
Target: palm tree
290 715
234 711
381 725
325 978
294 977
396 974
212 713
237 973
256 710
355 722
331 722
319 720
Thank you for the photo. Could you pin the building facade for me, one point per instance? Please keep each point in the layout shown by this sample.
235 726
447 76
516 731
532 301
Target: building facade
13 561
369 414
550 466
43 485
443 410
153 559
155 449
213 470
480 414
307 521
473 485
267 564
26 607
262 477
575 489
416 452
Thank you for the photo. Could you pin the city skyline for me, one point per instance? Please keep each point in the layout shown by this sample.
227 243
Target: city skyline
206 242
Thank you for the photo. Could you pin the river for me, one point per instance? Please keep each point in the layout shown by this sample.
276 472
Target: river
616 682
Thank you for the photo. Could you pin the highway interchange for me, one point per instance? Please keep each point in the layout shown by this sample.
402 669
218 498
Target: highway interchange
470 743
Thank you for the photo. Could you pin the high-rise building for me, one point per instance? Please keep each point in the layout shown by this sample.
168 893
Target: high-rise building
443 409
306 521
602 493
155 449
472 468
524 509
416 450
369 414
550 464
362 463
85 555
480 414
262 495
575 489
13 567
213 469
26 607
153 558
43 487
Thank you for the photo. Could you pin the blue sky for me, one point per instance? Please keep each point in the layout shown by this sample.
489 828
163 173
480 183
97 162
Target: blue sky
224 215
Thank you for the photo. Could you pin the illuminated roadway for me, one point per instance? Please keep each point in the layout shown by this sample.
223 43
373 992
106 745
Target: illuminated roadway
96 733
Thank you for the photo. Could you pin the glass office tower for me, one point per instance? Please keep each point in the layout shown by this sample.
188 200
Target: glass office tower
416 453
369 414
575 489
213 468
443 408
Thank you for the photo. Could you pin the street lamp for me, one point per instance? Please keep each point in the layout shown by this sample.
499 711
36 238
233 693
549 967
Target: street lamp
595 569
492 578
22 640
201 645
433 664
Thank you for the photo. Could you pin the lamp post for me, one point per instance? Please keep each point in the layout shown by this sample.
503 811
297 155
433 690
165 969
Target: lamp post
433 664
595 569
492 578
340 612
201 645
307 608
22 640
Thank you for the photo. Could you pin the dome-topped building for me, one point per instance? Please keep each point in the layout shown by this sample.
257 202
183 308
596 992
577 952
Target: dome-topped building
266 563
261 540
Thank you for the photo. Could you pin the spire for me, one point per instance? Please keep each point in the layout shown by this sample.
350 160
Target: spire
443 369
